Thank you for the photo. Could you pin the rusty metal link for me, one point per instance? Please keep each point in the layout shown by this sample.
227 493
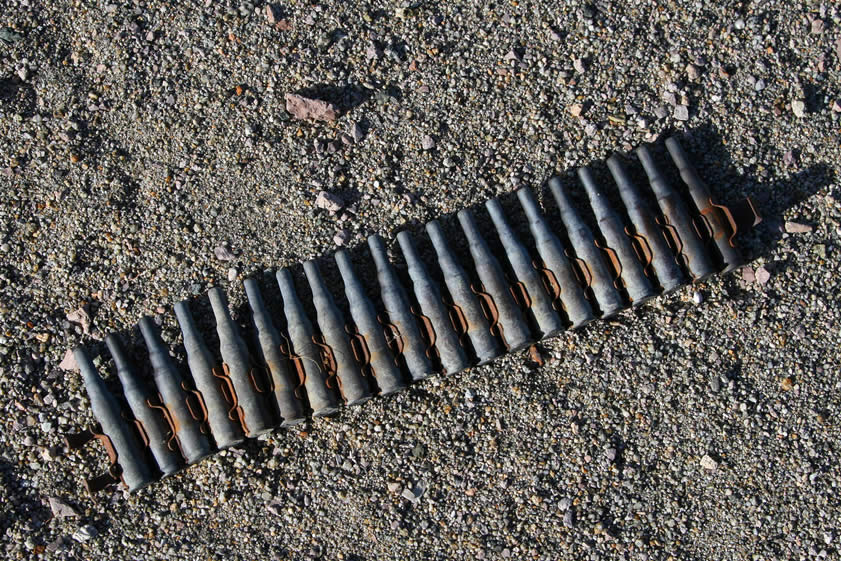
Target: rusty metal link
235 412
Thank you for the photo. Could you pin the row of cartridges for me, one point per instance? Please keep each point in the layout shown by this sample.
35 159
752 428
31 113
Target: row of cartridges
444 319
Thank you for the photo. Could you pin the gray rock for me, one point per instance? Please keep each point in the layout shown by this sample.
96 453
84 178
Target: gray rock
748 274
69 361
692 72
798 107
85 533
223 253
708 463
275 507
80 316
61 509
330 202
789 159
271 14
427 142
569 518
762 275
341 237
681 113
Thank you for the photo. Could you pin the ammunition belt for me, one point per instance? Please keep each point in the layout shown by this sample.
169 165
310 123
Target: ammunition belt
501 302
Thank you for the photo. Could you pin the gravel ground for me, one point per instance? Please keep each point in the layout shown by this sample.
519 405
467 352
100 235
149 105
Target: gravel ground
146 154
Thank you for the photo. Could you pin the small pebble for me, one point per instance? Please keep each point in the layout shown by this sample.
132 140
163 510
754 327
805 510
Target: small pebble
692 72
357 133
330 202
85 533
223 253
748 274
798 228
61 509
569 518
341 237
708 463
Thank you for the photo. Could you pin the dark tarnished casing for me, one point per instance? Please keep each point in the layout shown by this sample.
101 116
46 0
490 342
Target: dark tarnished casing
692 250
380 359
551 251
254 415
662 260
711 214
135 471
399 313
138 394
221 416
477 327
547 319
268 348
601 280
631 272
194 445
428 295
515 332
320 396
353 386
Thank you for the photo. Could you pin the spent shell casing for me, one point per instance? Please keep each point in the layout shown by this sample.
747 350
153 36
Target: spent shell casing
379 358
134 470
601 280
477 328
283 381
138 394
320 396
224 423
547 319
637 285
428 295
254 415
715 220
194 445
551 251
662 259
514 329
331 323
693 253
397 308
